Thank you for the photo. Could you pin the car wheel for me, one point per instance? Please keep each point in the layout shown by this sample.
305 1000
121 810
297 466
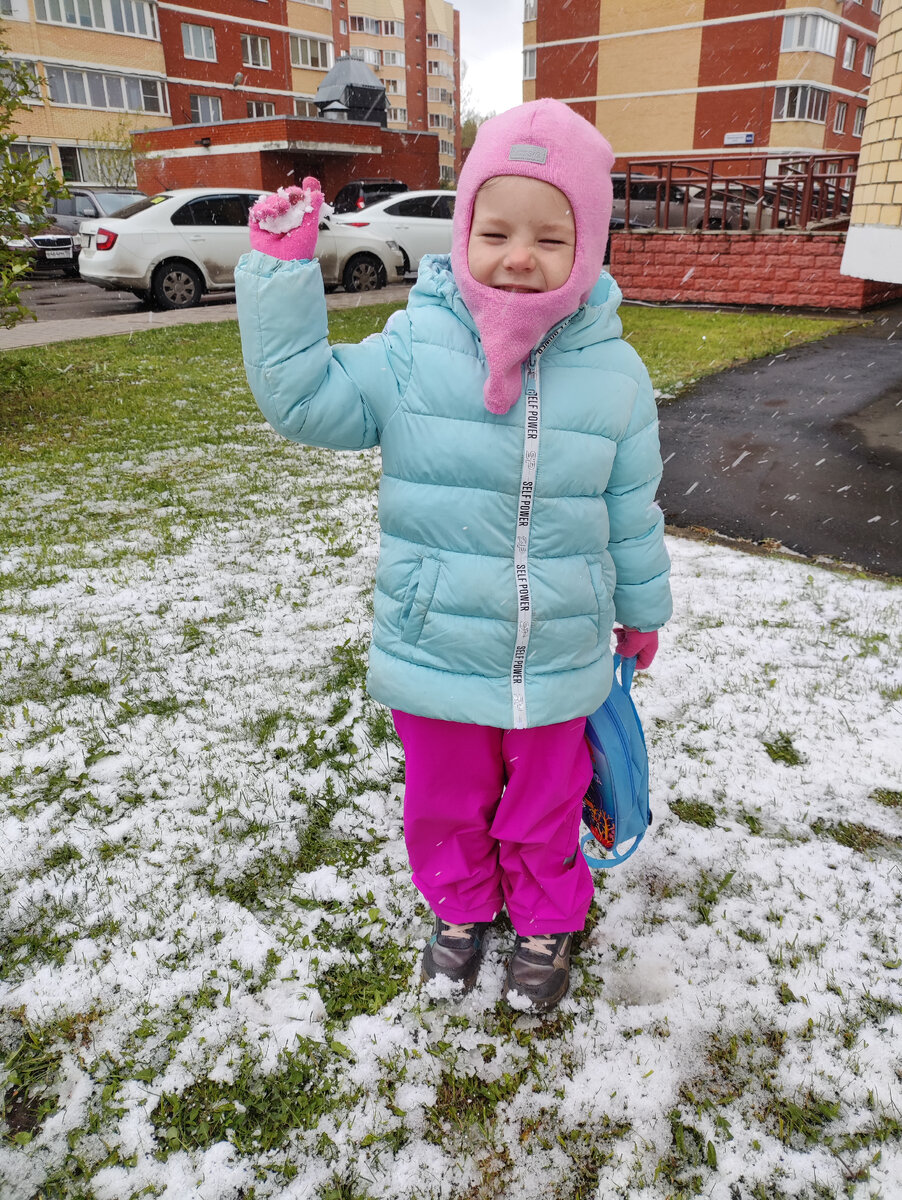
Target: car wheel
71 272
364 273
177 285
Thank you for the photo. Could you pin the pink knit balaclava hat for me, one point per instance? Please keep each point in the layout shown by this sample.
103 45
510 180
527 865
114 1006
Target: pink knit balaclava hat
543 140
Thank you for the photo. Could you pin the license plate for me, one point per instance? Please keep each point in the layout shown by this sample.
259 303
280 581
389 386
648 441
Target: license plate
58 253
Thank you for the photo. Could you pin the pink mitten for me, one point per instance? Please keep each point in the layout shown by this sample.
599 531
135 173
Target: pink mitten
633 644
285 224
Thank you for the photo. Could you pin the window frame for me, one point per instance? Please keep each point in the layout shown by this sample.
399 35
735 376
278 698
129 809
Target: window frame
266 104
849 53
294 48
814 98
867 62
809 33
398 115
214 101
105 16
840 116
250 41
203 29
529 63
128 87
858 122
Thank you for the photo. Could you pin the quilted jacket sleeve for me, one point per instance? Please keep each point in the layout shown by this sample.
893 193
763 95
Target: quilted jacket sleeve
340 397
642 594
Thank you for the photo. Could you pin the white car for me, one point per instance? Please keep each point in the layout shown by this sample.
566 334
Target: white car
171 248
420 222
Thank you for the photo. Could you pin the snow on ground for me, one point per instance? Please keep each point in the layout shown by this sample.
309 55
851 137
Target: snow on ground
210 929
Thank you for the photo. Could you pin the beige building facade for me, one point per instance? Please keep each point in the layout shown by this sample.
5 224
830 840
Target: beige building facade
874 241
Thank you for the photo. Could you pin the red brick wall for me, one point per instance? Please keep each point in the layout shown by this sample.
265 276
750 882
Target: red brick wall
797 270
412 157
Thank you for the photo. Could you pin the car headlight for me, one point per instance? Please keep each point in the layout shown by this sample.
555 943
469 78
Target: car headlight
392 245
19 243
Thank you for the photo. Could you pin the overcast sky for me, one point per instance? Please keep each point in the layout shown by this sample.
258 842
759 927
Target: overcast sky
491 45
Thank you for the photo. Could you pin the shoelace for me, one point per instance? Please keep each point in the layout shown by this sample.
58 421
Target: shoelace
465 932
537 944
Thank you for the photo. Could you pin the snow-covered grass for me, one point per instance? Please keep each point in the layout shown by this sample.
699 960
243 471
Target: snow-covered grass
209 982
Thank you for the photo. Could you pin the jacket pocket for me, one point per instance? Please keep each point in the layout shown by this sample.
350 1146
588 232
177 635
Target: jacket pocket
418 598
602 598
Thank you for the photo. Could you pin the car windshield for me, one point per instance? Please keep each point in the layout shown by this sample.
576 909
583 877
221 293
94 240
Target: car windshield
114 202
140 205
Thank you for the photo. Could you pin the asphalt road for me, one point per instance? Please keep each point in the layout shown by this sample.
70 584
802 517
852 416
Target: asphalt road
55 298
805 449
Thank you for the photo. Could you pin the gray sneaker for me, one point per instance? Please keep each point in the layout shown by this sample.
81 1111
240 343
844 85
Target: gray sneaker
455 951
539 970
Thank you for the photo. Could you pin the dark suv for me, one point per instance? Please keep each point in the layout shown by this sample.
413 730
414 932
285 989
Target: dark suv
360 192
86 203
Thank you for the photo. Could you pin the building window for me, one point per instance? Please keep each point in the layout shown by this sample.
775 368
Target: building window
365 25
393 58
800 103
261 108
365 54
849 52
395 87
198 42
6 8
398 115
96 89
445 147
304 107
435 67
440 121
530 10
839 117
318 3
877 6
439 95
254 51
810 33
205 110
858 125
135 17
445 173
438 41
342 26
33 94
309 52
37 151
867 66
529 64
393 29
94 164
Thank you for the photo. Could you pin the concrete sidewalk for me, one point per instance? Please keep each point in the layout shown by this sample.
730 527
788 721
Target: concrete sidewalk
42 333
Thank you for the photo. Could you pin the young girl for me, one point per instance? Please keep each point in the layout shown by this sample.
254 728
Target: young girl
520 462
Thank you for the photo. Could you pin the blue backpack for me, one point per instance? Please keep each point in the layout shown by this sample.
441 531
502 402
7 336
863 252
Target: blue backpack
616 805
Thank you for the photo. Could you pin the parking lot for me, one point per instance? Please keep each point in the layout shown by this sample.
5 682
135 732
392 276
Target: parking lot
55 298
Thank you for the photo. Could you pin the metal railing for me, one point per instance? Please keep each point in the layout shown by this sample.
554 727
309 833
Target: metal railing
737 192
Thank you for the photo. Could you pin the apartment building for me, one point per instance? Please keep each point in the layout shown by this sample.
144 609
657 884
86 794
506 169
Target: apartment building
99 71
104 68
414 48
674 78
874 242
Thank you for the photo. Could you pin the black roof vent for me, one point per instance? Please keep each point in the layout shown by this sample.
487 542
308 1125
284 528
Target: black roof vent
351 91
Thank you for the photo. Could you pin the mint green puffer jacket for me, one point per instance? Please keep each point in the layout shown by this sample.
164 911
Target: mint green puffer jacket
510 543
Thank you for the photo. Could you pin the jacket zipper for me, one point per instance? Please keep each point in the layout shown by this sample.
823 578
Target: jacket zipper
524 524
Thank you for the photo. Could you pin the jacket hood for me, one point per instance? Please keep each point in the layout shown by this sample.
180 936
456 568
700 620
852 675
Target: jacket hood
544 140
596 320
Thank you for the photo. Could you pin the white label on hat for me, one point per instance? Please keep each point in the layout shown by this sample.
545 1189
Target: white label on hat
525 153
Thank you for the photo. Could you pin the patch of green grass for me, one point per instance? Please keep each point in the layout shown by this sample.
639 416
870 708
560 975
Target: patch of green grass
255 1112
696 812
701 343
781 749
370 978
854 835
887 797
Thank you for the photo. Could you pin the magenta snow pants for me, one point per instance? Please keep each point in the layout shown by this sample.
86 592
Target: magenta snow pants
492 816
